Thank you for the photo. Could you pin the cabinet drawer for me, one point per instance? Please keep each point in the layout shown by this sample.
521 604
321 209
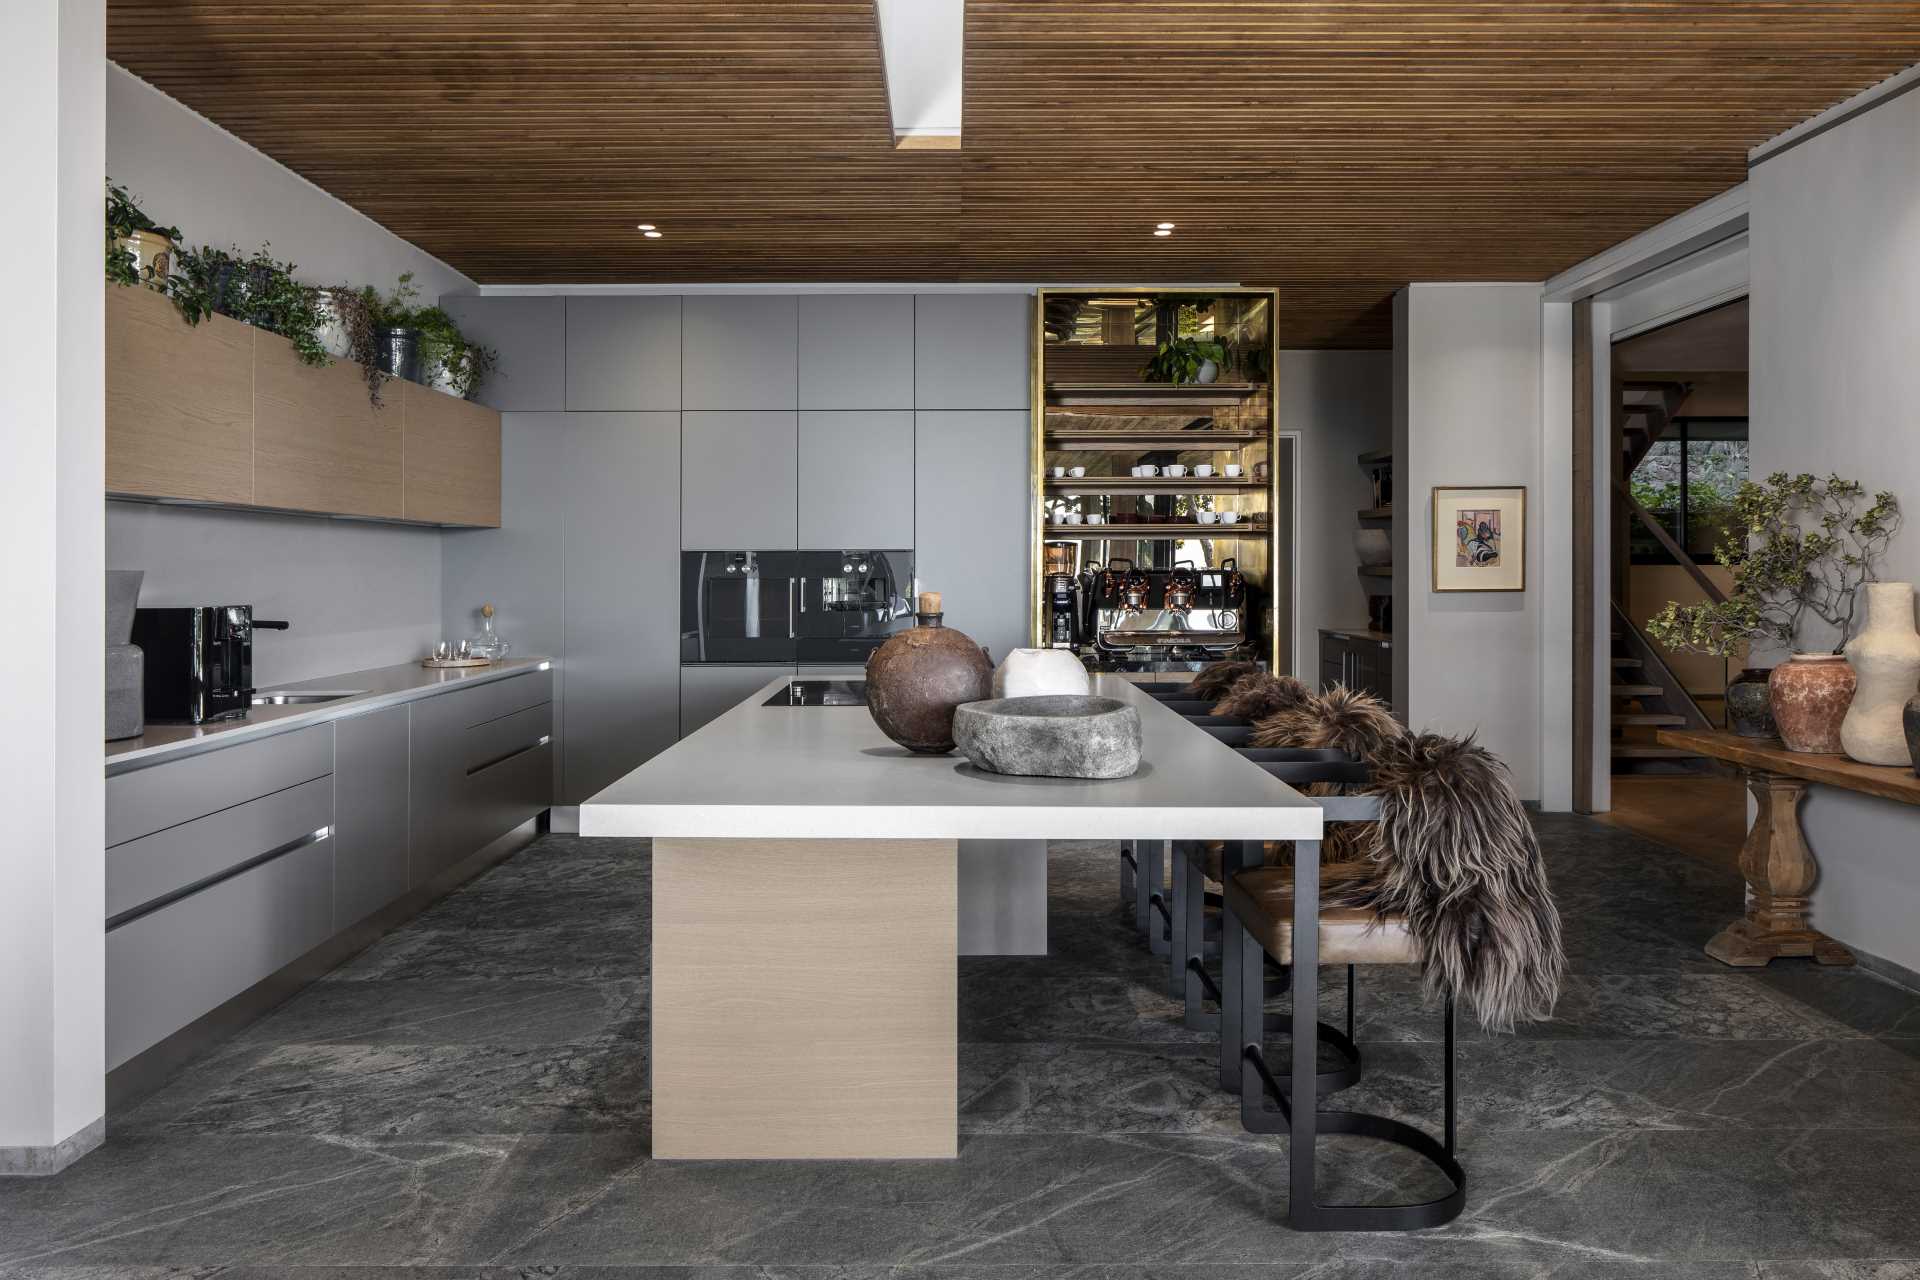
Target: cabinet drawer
165 795
491 744
152 867
505 795
498 698
170 966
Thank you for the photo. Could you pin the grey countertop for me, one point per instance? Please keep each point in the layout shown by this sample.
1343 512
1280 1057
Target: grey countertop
368 691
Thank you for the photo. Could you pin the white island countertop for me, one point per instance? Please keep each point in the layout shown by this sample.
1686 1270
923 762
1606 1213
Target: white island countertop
828 772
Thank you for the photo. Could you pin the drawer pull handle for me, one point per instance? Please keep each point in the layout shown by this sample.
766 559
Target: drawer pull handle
545 738
207 882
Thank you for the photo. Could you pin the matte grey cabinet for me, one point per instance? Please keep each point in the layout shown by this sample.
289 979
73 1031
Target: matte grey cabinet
370 832
623 353
856 351
973 504
856 479
622 607
462 794
739 352
1359 660
737 485
970 351
706 692
530 335
162 795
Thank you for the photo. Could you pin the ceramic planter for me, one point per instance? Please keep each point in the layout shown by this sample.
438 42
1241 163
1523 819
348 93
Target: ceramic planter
1750 705
1886 662
397 352
1811 693
1372 546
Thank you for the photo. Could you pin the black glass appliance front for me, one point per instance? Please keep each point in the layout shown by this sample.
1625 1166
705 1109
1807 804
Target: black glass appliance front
739 606
851 601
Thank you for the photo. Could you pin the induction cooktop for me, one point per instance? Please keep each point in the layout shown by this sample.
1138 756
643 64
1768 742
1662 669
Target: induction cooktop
820 693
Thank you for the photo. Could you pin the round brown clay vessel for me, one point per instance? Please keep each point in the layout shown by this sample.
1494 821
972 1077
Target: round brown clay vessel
916 679
1811 694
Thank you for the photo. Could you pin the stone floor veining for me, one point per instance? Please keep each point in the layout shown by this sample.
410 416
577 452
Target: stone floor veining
470 1096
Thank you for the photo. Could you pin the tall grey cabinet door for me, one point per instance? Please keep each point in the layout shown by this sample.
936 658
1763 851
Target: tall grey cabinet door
971 511
369 813
708 692
623 353
856 479
530 336
622 689
856 351
739 352
737 481
971 351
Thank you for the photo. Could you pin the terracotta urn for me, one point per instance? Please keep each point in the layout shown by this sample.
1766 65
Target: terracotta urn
917 679
1811 693
1750 705
1885 657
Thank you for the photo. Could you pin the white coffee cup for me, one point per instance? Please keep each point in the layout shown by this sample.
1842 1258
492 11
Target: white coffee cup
1096 518
1176 469
1233 469
1059 473
1204 470
1204 517
1076 472
1071 517
1229 517
1148 469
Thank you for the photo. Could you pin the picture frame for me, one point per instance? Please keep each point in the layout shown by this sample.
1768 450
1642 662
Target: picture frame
1479 538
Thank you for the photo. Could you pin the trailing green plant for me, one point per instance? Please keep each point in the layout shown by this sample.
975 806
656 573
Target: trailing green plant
1796 545
364 313
1179 360
124 217
259 290
444 349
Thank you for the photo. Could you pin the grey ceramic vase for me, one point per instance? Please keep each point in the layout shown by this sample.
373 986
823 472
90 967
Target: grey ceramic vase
1910 718
1750 705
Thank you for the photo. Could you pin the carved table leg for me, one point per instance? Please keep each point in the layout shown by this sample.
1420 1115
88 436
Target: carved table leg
1780 873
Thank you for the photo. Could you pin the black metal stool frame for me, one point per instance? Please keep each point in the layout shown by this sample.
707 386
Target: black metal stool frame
1304 1123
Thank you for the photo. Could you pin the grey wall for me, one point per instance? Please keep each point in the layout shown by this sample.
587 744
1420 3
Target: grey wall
358 594
1466 411
1834 252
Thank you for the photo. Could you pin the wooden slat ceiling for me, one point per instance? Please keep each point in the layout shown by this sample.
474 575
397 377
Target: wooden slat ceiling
1335 151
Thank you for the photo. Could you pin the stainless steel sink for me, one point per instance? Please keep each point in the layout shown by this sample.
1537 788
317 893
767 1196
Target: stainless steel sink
300 697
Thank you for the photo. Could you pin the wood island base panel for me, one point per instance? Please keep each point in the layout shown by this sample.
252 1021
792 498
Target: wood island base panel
805 999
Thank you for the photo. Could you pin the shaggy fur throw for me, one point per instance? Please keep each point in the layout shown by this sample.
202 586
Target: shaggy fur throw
1214 681
1458 859
1260 695
1352 720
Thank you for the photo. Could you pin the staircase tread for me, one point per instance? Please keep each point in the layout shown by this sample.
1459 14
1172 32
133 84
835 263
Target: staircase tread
1648 717
1633 750
1637 690
1628 662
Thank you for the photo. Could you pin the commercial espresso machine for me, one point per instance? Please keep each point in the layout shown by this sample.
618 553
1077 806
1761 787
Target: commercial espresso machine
1120 614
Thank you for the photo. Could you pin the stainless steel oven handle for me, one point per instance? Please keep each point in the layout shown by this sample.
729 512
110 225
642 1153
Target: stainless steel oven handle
792 620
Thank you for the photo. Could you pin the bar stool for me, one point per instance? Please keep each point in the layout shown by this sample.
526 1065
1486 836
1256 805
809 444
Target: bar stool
1275 911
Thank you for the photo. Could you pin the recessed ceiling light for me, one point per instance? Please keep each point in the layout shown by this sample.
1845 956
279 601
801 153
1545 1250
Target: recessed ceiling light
651 235
1163 226
645 226
1163 232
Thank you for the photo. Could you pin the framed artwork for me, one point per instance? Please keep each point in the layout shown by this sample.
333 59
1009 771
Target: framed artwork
1480 539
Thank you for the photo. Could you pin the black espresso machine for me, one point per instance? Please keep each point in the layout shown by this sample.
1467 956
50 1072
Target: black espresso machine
1123 611
199 660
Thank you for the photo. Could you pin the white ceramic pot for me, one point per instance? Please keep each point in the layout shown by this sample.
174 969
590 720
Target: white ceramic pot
1886 659
1208 371
1026 673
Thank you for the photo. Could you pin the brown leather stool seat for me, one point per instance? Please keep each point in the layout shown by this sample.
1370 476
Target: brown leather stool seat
1278 855
1263 900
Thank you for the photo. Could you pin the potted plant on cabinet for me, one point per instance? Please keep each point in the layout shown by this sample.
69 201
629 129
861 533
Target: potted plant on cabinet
258 290
449 362
139 250
1797 546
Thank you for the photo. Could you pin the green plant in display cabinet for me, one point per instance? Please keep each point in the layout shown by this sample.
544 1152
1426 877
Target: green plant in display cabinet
1186 360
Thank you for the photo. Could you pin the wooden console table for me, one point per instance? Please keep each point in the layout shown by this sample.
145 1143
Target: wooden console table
1779 867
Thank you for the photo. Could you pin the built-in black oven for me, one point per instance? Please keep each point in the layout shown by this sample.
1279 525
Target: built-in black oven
739 606
851 601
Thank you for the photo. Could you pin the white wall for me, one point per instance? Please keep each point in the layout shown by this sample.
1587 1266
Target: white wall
1467 411
1834 254
358 595
52 800
1341 403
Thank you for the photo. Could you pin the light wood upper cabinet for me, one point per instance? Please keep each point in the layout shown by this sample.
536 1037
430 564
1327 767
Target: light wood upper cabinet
179 402
319 443
225 414
450 459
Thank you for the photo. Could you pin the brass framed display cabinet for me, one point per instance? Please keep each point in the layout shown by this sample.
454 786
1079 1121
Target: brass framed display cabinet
1157 523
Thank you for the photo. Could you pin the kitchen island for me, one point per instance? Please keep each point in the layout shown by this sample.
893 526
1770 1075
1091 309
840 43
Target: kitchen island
805 972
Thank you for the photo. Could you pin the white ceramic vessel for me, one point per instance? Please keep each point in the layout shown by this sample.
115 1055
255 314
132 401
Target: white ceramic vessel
1032 672
1886 658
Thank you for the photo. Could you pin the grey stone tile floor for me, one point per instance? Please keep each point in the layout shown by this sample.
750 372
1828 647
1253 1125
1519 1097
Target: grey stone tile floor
468 1097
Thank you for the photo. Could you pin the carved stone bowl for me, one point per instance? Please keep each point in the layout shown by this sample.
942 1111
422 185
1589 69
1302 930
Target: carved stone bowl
1050 736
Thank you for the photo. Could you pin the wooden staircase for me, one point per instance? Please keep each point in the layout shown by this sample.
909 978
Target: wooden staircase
1647 697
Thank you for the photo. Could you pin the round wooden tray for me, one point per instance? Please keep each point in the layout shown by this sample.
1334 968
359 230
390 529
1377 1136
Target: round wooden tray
456 662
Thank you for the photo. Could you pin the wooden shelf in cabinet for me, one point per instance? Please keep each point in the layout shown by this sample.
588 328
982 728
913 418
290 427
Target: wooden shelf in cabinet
1195 441
1153 394
1376 571
1154 484
450 459
1376 513
179 402
319 443
1148 532
1377 458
